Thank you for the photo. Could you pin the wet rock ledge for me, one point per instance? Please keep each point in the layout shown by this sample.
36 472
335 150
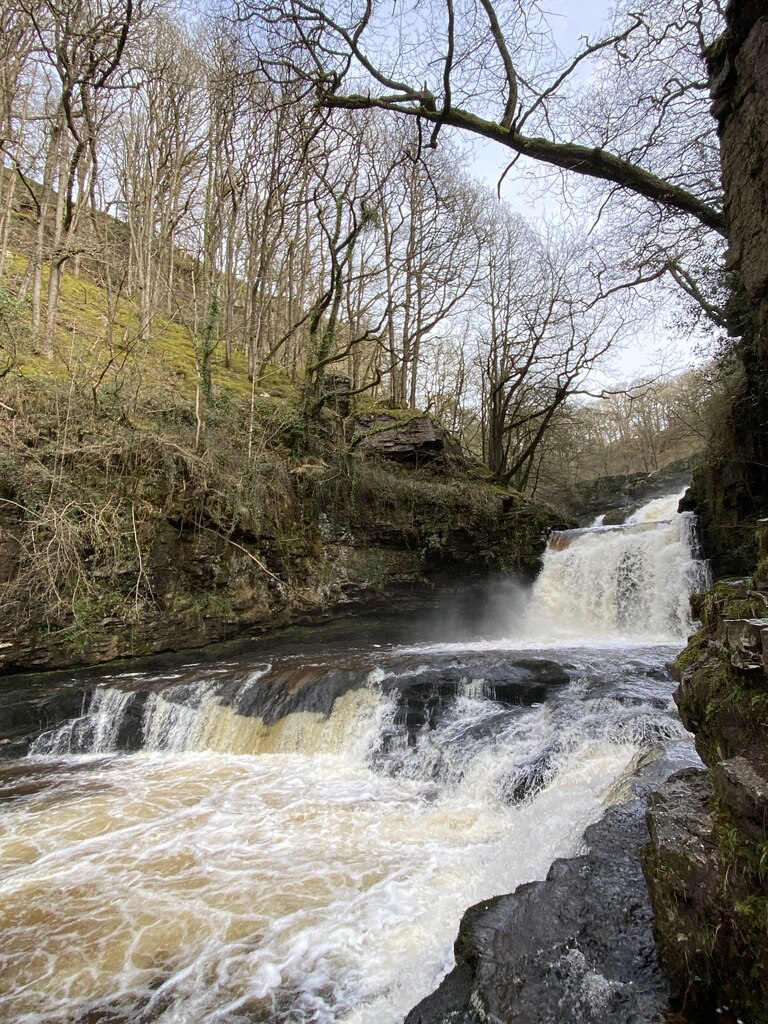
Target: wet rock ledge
577 947
707 864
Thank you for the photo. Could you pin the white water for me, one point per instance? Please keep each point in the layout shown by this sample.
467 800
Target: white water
629 582
313 867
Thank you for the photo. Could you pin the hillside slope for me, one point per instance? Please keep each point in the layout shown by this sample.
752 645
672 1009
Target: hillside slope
137 516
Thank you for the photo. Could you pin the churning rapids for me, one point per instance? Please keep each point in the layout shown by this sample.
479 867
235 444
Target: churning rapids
295 837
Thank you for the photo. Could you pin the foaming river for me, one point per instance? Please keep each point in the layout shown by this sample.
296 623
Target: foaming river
294 837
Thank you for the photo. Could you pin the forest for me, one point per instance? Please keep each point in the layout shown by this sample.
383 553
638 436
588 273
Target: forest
183 165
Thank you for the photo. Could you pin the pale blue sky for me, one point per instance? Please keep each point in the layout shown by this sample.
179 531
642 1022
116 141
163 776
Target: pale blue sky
653 352
570 19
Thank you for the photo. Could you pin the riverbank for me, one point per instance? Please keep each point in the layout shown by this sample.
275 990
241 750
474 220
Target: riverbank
707 861
120 538
576 946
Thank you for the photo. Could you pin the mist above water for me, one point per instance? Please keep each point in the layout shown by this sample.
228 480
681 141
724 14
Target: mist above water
598 585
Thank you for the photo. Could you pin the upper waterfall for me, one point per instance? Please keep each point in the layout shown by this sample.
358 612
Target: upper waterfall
620 582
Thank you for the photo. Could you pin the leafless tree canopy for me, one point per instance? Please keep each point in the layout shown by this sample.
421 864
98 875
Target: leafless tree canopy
280 183
628 109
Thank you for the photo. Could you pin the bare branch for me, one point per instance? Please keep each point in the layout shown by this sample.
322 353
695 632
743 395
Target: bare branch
510 108
570 156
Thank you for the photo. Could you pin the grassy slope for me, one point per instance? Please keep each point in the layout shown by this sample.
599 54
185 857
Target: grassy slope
119 536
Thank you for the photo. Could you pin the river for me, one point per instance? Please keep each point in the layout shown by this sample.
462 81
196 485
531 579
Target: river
292 836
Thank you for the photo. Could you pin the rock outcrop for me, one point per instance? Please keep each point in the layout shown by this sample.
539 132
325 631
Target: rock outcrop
576 948
191 573
731 488
707 863
407 438
617 497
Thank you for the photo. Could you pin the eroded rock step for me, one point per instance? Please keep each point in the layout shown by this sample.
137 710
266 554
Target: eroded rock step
576 948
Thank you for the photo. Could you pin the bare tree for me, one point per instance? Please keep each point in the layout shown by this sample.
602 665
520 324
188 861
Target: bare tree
543 333
628 112
84 44
17 76
160 145
431 237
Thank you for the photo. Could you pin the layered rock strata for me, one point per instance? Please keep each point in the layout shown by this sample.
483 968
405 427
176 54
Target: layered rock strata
707 863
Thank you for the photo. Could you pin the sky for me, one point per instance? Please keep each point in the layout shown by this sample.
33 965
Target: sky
571 20
659 351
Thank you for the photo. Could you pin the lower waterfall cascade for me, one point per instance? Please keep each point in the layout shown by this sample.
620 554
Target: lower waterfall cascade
293 836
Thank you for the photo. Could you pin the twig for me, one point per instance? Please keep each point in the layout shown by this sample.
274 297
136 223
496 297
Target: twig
142 573
281 583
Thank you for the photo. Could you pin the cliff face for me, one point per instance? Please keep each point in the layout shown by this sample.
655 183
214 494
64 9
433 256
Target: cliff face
707 864
731 489
739 85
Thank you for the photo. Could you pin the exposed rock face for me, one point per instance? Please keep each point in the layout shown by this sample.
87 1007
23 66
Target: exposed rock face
739 87
731 489
416 440
706 864
710 901
684 875
576 948
617 497
386 537
743 786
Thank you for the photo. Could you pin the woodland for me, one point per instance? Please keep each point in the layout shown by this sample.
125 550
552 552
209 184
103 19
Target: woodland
183 166
242 244
223 267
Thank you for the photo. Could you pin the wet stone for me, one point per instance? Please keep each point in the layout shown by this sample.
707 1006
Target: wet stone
576 948
743 786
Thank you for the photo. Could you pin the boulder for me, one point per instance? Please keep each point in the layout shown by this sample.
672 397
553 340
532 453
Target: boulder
746 641
743 787
681 866
414 440
576 948
336 389
704 875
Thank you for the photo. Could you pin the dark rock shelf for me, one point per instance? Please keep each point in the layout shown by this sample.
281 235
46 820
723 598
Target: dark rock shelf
576 948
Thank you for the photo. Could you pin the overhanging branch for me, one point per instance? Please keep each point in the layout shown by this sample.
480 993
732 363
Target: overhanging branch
570 156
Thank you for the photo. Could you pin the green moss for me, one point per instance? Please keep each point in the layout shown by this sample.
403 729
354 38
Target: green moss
715 52
711 927
743 608
105 468
696 647
276 380
84 336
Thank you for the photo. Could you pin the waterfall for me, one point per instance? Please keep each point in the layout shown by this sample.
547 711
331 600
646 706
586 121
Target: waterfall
632 581
294 838
94 732
214 726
